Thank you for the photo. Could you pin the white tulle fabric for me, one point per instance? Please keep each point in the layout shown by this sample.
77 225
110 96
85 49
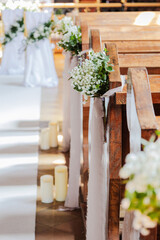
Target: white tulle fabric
66 102
40 69
98 185
135 146
13 60
72 200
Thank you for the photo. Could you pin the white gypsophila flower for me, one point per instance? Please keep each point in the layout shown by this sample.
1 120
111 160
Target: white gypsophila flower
144 180
125 203
146 201
144 231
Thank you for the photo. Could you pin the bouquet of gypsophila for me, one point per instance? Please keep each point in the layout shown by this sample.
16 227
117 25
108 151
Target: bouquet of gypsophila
142 192
72 40
91 77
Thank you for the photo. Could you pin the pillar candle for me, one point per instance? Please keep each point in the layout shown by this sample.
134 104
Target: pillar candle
53 134
45 139
60 140
46 182
61 180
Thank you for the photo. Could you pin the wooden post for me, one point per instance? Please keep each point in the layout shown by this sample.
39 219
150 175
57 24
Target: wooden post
85 165
115 148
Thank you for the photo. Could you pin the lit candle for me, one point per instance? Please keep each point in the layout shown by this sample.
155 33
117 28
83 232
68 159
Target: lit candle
60 140
46 182
53 134
61 180
44 139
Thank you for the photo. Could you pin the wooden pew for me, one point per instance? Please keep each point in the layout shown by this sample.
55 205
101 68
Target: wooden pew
118 128
129 44
138 78
117 125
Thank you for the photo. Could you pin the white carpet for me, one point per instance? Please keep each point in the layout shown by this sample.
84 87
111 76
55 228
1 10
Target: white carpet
19 137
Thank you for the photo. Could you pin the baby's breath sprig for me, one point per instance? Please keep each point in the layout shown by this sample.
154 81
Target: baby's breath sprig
91 77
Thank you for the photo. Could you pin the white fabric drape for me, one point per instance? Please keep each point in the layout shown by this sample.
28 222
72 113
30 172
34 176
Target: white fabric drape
97 185
40 69
66 102
72 200
135 146
13 60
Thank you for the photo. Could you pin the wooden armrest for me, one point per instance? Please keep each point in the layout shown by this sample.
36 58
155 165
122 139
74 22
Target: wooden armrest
95 40
114 77
139 79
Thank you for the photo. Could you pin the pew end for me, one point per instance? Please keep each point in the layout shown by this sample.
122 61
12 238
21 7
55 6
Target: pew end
138 78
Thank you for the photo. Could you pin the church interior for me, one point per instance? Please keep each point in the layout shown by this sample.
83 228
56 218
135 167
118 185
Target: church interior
79 120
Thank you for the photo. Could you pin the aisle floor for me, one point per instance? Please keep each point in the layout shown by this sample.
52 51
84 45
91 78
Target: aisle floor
52 224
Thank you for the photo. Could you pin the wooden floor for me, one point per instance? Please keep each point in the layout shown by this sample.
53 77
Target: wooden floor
52 224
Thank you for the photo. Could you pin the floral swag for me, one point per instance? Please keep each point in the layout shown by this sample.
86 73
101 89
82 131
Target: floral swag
40 33
17 27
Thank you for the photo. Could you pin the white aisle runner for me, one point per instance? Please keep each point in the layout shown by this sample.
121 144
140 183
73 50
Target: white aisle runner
19 137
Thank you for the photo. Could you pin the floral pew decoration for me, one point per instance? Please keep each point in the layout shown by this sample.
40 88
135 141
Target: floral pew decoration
142 192
40 69
71 42
13 20
91 78
40 33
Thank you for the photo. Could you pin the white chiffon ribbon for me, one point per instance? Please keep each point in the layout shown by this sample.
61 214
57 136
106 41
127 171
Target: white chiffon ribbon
98 185
72 200
66 101
135 146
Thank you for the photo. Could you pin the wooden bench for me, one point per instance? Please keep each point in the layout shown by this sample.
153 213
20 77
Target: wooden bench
119 144
119 28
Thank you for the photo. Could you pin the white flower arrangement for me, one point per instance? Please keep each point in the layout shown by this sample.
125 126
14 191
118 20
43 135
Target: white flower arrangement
71 35
63 25
72 40
16 28
142 191
21 4
91 77
40 33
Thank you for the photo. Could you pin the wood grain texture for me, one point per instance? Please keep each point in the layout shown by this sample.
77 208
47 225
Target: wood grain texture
143 100
120 18
85 165
139 60
96 40
85 35
114 208
114 78
154 81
